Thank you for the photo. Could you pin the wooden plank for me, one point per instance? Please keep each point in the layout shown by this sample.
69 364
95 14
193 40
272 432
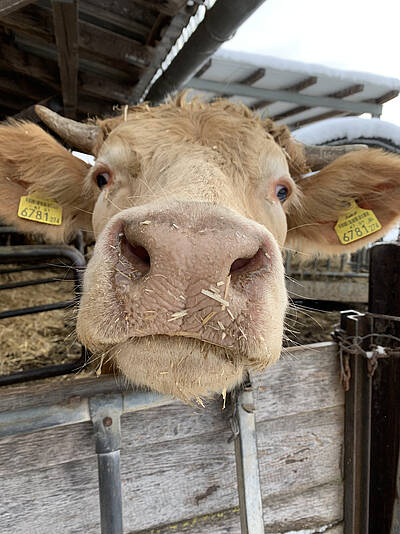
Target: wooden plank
283 514
168 7
320 117
94 41
29 113
175 480
17 60
9 6
352 90
118 23
304 379
65 15
339 290
385 97
254 77
19 84
177 463
46 70
329 114
109 44
87 106
296 88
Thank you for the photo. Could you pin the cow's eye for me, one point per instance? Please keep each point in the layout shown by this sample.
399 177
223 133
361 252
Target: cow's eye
282 192
102 179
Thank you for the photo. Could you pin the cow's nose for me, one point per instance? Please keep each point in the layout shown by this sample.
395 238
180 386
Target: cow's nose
197 247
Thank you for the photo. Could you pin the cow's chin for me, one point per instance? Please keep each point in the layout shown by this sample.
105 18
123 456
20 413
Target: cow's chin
186 368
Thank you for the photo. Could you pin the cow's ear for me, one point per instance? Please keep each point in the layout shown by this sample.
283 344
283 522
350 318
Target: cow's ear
32 163
345 189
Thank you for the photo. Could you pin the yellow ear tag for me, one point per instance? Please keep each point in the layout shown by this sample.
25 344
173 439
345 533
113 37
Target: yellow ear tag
42 210
356 224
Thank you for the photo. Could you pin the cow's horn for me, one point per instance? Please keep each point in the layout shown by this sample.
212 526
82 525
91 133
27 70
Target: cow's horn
82 136
319 156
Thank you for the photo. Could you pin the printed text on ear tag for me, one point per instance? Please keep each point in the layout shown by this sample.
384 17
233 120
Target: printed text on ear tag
356 224
41 210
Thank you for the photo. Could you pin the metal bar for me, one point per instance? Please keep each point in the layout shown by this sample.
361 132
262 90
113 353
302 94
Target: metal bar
357 445
248 477
14 285
105 412
39 267
73 411
45 372
110 492
283 96
37 309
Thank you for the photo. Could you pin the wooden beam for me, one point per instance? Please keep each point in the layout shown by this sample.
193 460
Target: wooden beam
296 88
12 101
17 60
168 7
8 6
46 70
283 96
256 75
29 114
65 15
99 43
352 90
385 97
321 117
19 84
328 115
115 22
87 106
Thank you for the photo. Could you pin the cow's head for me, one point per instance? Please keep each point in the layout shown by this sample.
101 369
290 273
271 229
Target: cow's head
190 205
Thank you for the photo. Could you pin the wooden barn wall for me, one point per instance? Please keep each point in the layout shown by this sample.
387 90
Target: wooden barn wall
178 466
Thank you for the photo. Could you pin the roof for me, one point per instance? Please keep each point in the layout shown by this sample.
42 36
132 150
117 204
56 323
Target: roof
345 130
293 92
87 58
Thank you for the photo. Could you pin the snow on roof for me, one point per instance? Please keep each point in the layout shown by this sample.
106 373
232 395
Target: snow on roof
349 128
310 69
231 67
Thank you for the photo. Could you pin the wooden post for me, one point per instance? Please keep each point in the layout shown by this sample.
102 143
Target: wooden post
384 298
65 16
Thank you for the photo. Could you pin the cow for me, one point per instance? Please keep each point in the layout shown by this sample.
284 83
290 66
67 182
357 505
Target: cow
190 204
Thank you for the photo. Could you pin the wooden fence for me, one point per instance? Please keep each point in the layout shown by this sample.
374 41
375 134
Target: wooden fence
178 462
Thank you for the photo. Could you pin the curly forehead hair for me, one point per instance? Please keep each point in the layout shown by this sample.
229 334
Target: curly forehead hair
226 113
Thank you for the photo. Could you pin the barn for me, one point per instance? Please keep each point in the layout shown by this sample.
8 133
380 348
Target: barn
311 444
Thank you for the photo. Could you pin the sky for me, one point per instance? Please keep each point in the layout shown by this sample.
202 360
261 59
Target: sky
361 35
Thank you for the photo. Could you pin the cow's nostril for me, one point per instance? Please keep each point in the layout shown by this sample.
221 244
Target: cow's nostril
141 253
247 265
137 255
239 264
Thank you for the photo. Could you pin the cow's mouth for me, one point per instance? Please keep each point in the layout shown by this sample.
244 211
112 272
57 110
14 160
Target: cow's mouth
184 367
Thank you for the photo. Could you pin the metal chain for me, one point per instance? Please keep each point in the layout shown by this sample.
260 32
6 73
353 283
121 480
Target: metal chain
352 345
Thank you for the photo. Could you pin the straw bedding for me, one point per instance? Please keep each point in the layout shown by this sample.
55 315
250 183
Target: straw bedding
39 339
